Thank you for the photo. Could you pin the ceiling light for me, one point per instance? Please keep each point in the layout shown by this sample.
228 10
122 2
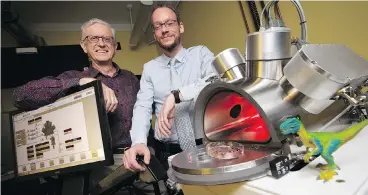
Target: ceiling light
146 2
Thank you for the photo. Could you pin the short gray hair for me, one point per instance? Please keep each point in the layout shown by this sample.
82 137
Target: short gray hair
96 21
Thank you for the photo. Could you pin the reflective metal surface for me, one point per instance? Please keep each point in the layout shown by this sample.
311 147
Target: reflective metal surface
256 93
271 44
250 112
273 104
266 69
308 104
230 64
230 116
221 178
197 162
235 75
318 71
269 95
314 106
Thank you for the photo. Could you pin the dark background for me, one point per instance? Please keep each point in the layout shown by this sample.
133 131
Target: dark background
17 69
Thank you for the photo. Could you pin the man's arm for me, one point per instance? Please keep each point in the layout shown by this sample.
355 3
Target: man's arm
44 91
191 91
142 112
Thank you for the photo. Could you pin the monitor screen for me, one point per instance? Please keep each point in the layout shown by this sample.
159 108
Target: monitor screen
64 134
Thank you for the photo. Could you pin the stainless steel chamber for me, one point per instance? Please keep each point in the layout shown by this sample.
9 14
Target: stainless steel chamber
321 83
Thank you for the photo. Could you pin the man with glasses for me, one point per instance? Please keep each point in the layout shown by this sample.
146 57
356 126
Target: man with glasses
120 86
171 81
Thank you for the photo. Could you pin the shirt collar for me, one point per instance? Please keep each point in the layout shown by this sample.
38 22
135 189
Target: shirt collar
94 72
180 56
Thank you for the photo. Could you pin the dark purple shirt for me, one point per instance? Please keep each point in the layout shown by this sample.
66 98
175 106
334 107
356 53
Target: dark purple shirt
125 84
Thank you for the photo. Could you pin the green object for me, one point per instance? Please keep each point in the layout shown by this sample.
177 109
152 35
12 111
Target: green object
322 143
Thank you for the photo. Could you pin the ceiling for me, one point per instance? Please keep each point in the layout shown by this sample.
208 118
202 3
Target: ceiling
75 11
70 15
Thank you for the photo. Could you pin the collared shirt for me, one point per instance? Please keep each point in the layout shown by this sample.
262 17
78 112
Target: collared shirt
193 65
124 83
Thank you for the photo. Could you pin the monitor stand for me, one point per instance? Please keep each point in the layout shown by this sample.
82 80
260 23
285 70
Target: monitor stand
75 184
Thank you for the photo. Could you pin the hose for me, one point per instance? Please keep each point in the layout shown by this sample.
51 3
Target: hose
254 12
276 10
269 10
266 10
265 13
303 25
277 13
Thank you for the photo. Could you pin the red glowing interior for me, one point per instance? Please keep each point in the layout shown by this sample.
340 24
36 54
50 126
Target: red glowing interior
230 116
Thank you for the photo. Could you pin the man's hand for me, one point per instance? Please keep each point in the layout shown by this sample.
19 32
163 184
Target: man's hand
166 117
130 155
111 102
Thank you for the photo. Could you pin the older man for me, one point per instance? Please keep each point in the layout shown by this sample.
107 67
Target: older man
120 86
171 81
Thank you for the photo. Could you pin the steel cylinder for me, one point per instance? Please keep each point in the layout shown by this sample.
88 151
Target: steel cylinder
271 44
231 65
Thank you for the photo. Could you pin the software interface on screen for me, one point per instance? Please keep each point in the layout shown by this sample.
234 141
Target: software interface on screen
63 134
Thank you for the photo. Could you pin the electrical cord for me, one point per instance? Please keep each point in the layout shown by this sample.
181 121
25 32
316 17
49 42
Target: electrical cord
269 10
156 187
303 25
254 13
244 17
141 160
277 11
265 13
171 188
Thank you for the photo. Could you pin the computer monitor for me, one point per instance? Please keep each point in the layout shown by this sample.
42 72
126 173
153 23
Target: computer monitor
69 135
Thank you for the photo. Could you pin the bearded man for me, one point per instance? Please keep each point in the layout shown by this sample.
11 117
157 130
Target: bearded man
169 81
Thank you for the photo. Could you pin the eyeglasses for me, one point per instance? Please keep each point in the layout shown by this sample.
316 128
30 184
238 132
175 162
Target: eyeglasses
95 39
168 24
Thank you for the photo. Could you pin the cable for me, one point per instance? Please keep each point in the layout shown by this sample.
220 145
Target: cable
277 11
269 10
278 20
140 159
304 30
265 13
244 18
303 24
255 16
171 187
